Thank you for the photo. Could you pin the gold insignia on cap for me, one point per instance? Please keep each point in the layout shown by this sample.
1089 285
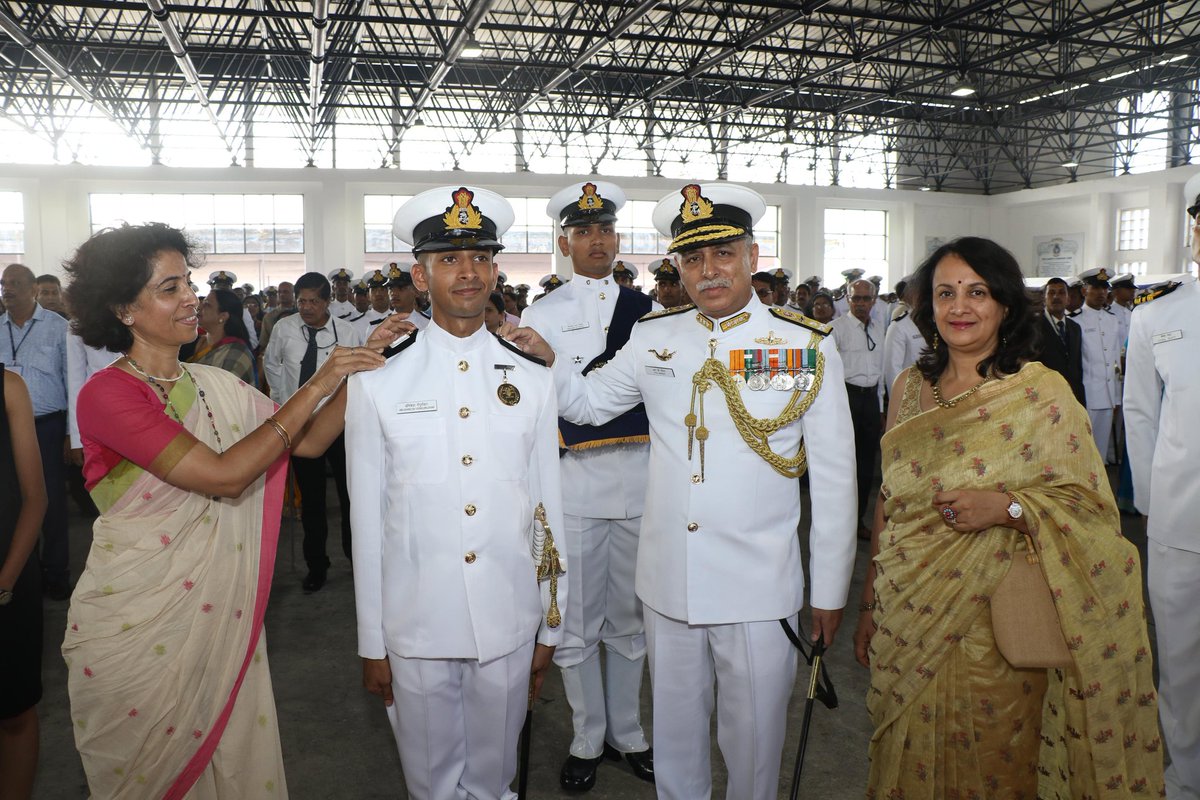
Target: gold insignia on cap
590 200
1102 275
394 272
463 214
695 205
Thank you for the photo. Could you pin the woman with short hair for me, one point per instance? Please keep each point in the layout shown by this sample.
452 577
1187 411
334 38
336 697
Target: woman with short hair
167 671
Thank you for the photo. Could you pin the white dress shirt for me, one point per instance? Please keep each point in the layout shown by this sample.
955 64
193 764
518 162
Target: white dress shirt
444 479
861 349
902 346
83 362
722 547
288 343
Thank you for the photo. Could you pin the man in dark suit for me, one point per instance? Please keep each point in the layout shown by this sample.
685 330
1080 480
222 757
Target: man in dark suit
1061 348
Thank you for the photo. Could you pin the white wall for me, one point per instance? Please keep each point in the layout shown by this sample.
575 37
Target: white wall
56 210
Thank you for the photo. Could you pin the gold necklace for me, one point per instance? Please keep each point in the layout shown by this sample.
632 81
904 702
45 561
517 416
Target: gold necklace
941 401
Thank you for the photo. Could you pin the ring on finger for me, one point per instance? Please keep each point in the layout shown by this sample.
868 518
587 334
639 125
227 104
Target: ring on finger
950 515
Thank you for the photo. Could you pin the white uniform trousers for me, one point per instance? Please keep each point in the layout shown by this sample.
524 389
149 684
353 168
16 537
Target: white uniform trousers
1174 597
1102 423
603 608
458 722
754 666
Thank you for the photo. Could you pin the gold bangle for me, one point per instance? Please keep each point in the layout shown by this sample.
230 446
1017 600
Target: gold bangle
866 607
282 431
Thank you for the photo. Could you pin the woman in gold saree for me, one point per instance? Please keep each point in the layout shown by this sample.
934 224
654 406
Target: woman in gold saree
981 448
167 672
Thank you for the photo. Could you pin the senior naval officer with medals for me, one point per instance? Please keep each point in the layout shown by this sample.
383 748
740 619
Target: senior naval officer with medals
719 558
604 485
455 494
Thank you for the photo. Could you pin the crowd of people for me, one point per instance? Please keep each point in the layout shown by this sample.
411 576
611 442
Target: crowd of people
600 478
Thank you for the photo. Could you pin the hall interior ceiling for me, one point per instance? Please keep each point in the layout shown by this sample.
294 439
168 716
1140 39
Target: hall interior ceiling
1055 83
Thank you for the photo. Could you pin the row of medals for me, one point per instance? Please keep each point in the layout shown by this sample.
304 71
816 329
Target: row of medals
761 380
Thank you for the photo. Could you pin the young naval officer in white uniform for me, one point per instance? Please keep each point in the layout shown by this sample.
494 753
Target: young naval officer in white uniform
1162 406
455 450
381 304
719 558
1101 345
604 485
341 306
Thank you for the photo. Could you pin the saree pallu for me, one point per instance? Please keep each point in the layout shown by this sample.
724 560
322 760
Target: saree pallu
232 355
952 718
167 672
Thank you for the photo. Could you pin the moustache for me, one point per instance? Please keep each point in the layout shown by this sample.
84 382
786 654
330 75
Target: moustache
714 283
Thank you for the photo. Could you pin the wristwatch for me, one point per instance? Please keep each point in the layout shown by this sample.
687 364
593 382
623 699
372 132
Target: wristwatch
6 596
1015 511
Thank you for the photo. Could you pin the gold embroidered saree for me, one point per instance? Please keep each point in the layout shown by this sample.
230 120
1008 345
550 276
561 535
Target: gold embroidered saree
167 673
952 718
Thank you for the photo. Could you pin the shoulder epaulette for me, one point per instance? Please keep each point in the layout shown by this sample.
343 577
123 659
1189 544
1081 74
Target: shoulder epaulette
1155 292
796 318
510 346
398 347
1075 313
667 312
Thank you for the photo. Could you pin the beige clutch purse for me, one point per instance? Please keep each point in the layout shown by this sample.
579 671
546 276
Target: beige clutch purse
1024 619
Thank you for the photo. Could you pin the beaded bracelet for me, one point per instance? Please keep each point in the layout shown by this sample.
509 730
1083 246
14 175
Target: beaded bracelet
282 431
866 607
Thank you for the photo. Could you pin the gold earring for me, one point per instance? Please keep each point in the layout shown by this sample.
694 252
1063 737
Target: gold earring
128 320
935 340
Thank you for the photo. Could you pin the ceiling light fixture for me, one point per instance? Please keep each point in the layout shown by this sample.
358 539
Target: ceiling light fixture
472 49
962 89
1072 164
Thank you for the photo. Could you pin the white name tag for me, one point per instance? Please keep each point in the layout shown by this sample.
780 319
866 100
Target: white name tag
665 372
575 326
1167 336
415 406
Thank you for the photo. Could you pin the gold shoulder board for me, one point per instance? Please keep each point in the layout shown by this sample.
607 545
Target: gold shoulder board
667 312
796 318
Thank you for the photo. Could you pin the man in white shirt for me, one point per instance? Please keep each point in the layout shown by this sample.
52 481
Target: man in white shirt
859 340
1162 405
604 485
299 345
1102 345
903 343
457 509
718 559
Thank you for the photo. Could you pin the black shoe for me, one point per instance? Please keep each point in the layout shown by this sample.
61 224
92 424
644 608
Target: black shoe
313 581
642 763
579 774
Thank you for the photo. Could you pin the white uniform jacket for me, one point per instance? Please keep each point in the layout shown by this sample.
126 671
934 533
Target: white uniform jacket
444 479
724 549
1101 356
1162 412
365 324
343 309
607 482
902 346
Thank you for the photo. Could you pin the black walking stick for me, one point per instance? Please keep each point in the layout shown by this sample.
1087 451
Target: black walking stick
819 688
526 737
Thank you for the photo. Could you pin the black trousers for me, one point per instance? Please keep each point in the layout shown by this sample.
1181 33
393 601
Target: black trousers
51 433
310 478
868 427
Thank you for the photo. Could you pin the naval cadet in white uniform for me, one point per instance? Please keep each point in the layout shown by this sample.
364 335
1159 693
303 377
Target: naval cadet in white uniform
341 306
719 557
381 304
1162 406
903 343
604 485
1102 345
455 493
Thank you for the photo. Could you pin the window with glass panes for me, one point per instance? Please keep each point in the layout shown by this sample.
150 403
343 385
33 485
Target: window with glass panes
1133 229
855 237
12 224
532 231
378 212
219 223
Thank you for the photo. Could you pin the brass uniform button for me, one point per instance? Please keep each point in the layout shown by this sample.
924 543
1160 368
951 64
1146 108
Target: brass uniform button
470 557
695 479
693 527
602 295
463 366
464 412
470 509
467 461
